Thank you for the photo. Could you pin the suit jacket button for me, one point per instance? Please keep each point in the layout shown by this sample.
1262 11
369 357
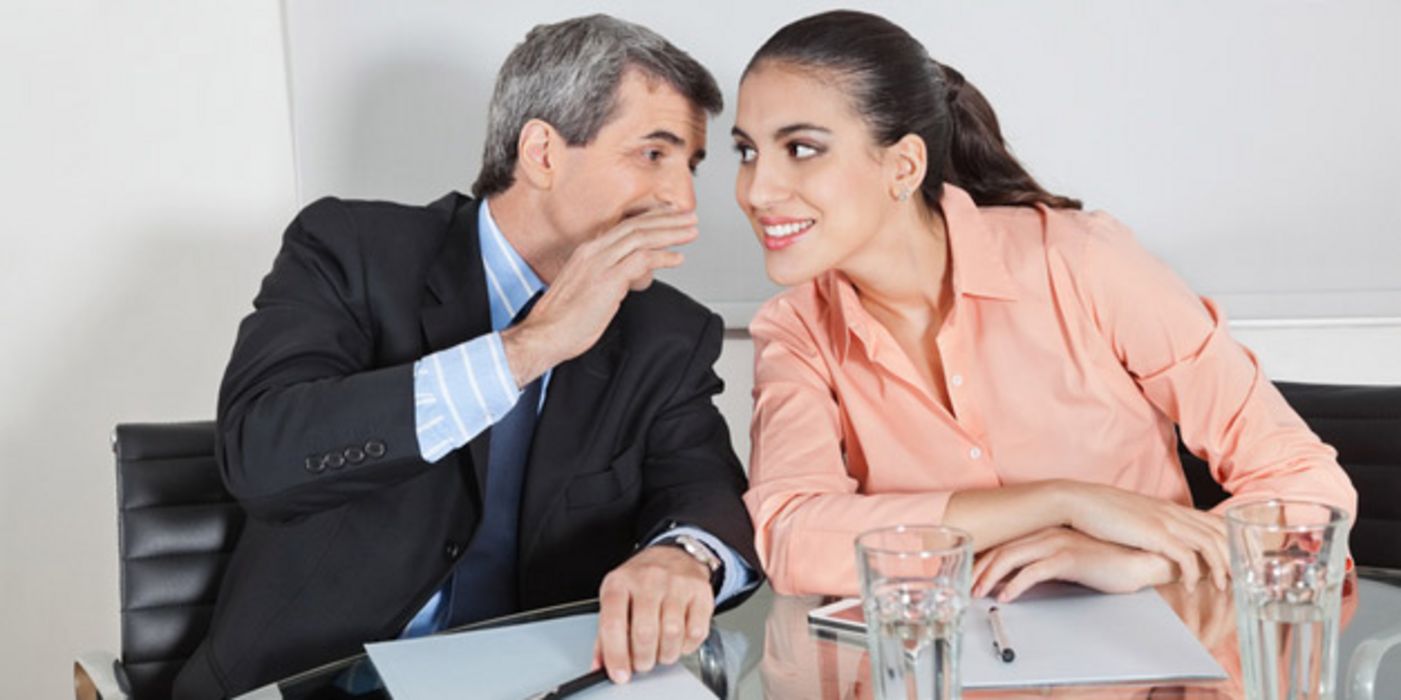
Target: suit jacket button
316 464
335 460
375 448
354 455
452 550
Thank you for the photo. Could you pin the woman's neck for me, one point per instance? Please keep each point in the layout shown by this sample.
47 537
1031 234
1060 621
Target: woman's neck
903 275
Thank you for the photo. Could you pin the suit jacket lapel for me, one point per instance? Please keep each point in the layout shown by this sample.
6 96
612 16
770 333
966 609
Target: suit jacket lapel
578 390
455 305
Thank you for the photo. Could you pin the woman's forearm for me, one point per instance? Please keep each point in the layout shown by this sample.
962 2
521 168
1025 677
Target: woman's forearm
1002 514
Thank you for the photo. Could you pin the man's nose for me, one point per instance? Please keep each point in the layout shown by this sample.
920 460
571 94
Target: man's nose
678 189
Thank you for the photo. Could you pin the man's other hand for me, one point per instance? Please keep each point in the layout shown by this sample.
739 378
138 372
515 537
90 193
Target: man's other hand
652 609
583 298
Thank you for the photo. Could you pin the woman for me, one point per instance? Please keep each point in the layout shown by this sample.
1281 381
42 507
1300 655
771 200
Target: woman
961 346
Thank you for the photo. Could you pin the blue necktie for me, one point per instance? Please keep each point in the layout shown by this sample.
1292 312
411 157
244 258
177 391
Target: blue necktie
484 581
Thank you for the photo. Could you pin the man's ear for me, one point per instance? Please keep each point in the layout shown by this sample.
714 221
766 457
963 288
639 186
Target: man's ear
537 154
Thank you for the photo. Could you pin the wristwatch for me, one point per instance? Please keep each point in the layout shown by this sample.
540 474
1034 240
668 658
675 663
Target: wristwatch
702 553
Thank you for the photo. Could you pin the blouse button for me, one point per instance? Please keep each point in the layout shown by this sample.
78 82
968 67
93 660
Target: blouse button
975 453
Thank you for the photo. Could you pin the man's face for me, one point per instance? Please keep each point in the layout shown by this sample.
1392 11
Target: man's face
641 160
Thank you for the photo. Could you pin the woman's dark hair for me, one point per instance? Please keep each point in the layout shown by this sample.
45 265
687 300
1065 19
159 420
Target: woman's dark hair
898 89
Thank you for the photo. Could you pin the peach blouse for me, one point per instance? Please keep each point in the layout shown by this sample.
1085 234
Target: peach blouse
1069 353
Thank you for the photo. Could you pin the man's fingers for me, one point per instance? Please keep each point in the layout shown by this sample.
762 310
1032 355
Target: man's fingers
637 230
698 615
646 615
637 268
643 262
651 239
641 283
657 218
613 603
673 628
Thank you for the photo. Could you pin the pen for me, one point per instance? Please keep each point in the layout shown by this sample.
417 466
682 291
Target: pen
1000 644
570 687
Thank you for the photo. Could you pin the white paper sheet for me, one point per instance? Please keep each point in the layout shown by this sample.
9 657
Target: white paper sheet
1068 635
514 662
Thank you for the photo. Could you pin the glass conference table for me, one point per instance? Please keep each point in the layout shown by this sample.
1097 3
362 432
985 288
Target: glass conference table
765 649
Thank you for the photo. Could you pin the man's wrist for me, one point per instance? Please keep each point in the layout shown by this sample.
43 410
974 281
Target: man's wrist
525 354
709 563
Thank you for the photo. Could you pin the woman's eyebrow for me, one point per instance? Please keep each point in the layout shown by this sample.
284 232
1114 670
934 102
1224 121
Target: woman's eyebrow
783 130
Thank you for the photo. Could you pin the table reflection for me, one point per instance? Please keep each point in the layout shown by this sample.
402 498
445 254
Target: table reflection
765 649
800 662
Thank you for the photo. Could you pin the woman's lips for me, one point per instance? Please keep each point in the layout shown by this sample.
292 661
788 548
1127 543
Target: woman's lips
781 233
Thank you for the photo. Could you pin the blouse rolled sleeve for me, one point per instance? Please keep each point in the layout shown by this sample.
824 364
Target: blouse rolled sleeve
1177 348
805 506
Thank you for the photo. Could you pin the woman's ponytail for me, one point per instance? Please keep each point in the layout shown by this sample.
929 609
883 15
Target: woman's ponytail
979 161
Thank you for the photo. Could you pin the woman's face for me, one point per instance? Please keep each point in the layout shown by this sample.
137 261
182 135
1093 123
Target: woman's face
813 184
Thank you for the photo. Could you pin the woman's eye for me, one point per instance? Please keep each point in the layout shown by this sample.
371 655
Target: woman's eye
801 151
746 153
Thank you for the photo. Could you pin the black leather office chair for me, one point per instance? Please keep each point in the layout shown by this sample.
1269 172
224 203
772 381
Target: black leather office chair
1364 424
176 528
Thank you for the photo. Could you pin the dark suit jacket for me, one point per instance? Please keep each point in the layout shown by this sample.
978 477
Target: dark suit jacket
349 531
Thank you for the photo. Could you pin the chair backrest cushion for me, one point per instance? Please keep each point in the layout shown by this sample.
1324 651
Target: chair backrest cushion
176 528
1363 423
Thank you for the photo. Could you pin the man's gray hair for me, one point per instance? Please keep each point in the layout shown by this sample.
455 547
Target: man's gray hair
567 75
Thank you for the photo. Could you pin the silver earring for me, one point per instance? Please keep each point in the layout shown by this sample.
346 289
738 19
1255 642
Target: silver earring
904 195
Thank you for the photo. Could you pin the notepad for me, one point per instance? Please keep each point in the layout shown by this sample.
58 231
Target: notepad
1068 635
514 662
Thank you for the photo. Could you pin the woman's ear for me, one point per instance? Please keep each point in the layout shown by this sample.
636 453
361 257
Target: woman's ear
906 164
536 154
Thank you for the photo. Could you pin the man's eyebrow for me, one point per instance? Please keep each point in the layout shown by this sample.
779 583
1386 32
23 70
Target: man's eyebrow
667 136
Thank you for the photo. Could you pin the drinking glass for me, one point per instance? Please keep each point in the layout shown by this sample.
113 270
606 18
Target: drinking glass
914 589
1288 560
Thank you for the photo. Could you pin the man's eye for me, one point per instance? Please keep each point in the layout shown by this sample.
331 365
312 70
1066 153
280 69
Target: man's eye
653 154
746 153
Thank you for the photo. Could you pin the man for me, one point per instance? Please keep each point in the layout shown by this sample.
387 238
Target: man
442 414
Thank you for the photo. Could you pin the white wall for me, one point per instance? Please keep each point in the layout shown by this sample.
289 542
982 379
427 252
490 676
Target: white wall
146 177
1251 144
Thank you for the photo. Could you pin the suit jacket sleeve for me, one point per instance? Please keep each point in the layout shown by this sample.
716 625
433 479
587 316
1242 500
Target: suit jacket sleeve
691 475
305 420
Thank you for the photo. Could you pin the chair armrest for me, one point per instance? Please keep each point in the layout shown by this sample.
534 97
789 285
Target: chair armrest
1362 668
95 677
